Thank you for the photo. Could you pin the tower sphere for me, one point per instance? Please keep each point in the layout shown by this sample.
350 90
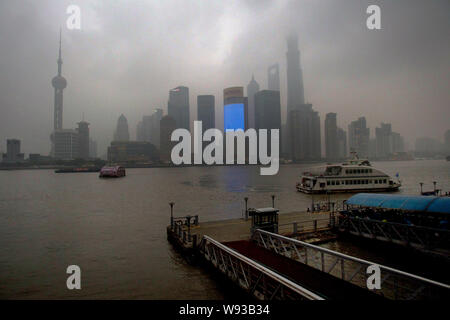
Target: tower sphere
59 82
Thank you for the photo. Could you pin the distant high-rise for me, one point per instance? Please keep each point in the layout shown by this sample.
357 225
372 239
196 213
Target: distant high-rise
331 137
305 139
167 126
342 143
178 106
59 83
252 89
273 77
235 109
295 91
83 140
122 133
358 137
13 154
268 112
66 144
92 148
148 128
398 143
383 136
206 111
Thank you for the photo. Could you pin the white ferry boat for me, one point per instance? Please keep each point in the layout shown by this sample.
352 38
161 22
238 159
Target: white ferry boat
352 176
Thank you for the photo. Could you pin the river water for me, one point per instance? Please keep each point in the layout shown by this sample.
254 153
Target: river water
114 229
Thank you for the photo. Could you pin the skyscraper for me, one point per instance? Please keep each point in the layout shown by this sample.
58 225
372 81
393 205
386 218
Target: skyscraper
122 133
59 83
83 140
178 106
358 137
342 143
273 77
167 126
331 137
383 140
12 154
206 111
252 89
268 112
148 128
235 109
305 138
294 74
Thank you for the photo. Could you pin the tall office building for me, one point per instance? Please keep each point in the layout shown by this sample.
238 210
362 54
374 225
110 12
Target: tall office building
59 83
206 111
273 77
148 129
305 138
383 136
83 140
398 143
122 133
294 74
358 137
331 137
268 113
167 126
13 154
235 109
178 106
66 144
252 89
92 148
342 143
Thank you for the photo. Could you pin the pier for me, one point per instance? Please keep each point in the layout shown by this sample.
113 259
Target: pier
276 256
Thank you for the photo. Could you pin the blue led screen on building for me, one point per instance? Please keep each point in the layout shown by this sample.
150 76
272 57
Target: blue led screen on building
234 116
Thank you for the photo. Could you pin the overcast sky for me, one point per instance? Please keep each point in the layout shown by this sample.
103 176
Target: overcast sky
128 54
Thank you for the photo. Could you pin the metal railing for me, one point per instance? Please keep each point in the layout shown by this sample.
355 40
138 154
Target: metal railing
395 284
253 277
414 236
297 227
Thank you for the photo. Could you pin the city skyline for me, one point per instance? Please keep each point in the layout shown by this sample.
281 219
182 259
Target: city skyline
94 84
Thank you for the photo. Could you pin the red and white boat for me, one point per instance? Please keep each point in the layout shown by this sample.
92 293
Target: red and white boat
112 172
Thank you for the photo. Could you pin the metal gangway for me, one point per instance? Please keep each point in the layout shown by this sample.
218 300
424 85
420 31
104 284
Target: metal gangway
419 237
394 284
251 276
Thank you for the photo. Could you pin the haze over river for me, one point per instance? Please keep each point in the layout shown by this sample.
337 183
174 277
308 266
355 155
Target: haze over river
115 229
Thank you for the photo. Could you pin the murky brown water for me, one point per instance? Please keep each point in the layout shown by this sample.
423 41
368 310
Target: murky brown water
115 229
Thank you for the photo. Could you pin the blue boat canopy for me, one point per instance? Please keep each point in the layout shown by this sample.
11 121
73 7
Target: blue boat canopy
402 202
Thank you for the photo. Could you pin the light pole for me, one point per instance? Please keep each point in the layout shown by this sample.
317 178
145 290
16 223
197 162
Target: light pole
434 184
421 191
246 208
171 213
273 201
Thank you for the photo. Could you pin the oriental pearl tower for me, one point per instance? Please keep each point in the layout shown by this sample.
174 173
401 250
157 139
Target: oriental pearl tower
59 83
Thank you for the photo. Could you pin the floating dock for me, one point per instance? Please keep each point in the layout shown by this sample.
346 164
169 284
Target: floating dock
275 256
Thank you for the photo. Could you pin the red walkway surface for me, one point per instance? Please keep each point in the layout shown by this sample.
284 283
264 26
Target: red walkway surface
317 281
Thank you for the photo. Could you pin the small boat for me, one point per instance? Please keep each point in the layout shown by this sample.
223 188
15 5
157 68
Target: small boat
78 170
112 172
353 176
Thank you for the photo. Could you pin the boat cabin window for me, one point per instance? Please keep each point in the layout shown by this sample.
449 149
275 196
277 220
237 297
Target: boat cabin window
333 171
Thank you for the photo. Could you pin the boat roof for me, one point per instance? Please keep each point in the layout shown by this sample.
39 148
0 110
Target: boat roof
402 202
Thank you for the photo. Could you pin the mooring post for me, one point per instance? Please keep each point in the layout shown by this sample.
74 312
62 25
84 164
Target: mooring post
273 201
246 208
434 188
171 214
421 191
